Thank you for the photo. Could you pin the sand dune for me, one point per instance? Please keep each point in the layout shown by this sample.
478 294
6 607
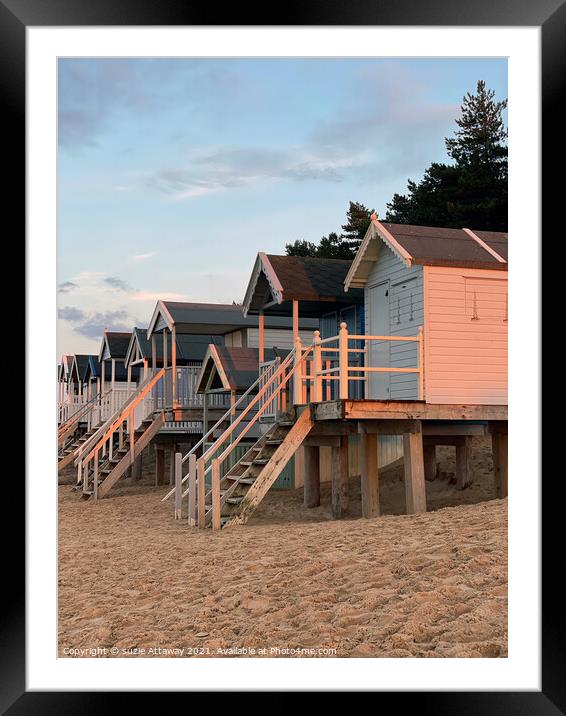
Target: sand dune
433 585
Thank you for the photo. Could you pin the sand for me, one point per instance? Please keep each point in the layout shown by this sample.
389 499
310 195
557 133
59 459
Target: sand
292 582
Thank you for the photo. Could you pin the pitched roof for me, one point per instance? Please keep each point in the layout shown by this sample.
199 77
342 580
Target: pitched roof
81 363
428 246
314 282
236 368
208 318
117 344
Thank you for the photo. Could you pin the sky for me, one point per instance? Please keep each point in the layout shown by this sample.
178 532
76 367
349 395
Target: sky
174 173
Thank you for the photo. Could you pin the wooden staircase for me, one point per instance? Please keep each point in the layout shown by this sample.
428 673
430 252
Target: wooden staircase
113 447
68 450
247 482
100 476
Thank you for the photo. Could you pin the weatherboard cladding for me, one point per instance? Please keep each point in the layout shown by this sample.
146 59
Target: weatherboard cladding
406 313
82 365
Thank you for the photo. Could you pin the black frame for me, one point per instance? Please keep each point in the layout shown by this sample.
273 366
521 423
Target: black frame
15 15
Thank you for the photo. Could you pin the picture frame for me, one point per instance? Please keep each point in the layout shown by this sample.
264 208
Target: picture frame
15 17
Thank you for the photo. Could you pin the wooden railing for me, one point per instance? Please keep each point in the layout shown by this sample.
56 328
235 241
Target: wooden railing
333 363
83 414
213 458
121 424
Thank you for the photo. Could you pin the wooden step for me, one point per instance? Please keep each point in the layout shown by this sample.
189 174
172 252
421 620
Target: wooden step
285 423
273 441
234 500
260 461
246 480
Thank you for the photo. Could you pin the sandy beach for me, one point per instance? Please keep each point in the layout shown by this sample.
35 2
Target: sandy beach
133 580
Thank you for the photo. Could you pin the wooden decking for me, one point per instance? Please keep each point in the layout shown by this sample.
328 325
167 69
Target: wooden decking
403 410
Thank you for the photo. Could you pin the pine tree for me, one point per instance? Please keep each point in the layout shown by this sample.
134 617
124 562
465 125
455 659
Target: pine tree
358 218
473 191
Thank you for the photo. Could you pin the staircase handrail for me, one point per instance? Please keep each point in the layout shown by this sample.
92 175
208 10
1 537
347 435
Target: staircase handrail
212 429
214 447
114 421
64 428
102 428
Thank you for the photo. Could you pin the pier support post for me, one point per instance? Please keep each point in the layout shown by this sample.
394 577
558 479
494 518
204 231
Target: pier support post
463 463
159 466
499 443
340 475
137 468
312 477
369 474
429 456
413 459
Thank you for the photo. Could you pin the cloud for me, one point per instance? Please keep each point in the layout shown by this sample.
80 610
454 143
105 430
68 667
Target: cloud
93 324
70 313
158 296
232 168
118 283
67 286
143 257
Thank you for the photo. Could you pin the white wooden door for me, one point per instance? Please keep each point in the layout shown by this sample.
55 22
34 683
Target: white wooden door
378 351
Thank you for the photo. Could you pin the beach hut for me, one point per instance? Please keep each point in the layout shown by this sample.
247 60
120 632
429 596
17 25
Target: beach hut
422 360
165 405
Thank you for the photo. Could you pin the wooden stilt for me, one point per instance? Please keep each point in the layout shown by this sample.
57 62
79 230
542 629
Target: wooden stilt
500 459
429 456
192 496
340 475
415 493
159 466
172 452
137 468
312 477
216 509
201 494
463 463
178 471
369 475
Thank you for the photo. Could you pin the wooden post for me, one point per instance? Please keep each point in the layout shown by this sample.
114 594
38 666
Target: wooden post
295 320
340 474
216 509
102 377
113 384
145 368
298 376
174 366
499 443
159 466
369 475
463 463
415 493
178 462
129 374
311 489
343 361
317 368
201 494
154 367
429 457
137 468
172 452
165 348
132 434
261 337
192 506
421 364
95 477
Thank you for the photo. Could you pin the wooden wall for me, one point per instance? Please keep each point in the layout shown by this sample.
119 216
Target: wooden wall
465 336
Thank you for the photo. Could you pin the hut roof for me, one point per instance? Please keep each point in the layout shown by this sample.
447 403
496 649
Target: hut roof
317 283
428 246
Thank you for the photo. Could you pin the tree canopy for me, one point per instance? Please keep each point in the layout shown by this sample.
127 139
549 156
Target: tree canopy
472 192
